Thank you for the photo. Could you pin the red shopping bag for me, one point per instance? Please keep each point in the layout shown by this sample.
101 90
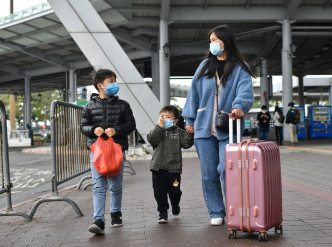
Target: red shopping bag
107 157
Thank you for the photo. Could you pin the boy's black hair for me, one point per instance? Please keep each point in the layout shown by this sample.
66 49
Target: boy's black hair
171 108
264 107
100 75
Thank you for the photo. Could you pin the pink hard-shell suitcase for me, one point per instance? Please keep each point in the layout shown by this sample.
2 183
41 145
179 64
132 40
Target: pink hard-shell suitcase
253 186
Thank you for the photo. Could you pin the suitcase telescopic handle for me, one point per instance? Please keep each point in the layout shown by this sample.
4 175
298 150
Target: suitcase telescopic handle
238 129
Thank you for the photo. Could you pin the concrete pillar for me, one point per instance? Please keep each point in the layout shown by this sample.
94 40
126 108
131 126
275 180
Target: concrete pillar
72 95
264 90
286 60
301 91
155 74
164 64
12 112
27 102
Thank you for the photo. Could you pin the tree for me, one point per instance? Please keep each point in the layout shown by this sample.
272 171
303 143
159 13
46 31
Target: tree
40 109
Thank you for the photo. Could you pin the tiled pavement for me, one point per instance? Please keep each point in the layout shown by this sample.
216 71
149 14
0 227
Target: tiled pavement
307 210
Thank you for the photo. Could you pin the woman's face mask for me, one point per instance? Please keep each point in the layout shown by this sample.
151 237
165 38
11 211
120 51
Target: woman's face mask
215 49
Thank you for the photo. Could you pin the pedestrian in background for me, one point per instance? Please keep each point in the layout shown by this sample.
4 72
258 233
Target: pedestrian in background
278 120
222 82
292 119
263 118
107 116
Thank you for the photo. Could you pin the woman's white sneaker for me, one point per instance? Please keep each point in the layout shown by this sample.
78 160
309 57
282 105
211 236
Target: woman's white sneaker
217 221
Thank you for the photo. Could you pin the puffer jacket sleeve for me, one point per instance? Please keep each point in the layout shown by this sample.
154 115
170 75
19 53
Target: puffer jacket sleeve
155 136
87 127
186 140
244 93
129 124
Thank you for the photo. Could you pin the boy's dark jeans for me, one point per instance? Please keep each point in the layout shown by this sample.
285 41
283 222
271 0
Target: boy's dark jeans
163 183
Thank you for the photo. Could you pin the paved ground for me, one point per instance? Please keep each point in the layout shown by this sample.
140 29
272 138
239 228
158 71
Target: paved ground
307 210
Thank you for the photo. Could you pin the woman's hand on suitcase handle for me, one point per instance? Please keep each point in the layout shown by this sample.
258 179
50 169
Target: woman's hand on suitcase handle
190 129
237 113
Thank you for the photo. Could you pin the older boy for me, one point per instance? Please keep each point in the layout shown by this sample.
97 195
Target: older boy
107 116
167 139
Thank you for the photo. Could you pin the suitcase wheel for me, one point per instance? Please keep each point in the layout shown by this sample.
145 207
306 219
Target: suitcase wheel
276 228
231 233
262 236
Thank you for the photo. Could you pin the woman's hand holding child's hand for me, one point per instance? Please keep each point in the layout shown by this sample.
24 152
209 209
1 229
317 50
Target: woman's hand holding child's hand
99 131
190 129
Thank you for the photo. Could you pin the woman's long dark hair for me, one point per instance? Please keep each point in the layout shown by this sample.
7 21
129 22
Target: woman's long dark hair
234 57
277 109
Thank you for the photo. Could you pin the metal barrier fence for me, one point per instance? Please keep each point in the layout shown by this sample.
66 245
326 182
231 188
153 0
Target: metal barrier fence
70 157
6 185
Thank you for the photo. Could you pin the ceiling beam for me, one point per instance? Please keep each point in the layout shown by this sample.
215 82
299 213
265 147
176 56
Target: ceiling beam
164 12
12 70
144 30
138 42
43 30
34 52
253 14
292 8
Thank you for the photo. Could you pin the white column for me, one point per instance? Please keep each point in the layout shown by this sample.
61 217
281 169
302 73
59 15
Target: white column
72 86
164 64
264 90
155 74
286 60
27 102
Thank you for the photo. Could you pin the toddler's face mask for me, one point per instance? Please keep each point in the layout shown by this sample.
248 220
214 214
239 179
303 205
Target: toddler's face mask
168 123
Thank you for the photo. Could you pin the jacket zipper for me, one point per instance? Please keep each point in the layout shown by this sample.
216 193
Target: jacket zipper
105 114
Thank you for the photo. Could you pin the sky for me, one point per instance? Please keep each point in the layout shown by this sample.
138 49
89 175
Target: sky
18 5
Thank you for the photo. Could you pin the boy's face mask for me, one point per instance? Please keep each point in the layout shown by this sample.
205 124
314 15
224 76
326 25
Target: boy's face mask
264 111
112 89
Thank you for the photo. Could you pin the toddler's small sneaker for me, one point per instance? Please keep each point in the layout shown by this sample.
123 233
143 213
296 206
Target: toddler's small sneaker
217 221
97 227
176 210
116 219
162 218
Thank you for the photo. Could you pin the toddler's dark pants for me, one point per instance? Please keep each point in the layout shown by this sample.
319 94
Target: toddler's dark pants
164 183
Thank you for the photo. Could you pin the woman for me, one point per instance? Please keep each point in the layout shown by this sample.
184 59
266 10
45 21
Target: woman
235 94
278 119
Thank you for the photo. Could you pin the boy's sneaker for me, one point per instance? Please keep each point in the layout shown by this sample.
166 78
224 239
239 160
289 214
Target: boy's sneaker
97 227
176 210
162 218
116 219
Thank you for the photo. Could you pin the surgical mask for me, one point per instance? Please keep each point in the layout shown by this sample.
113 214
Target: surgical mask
264 111
215 49
168 123
112 89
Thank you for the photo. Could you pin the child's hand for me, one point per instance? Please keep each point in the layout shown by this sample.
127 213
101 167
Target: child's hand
99 131
110 132
161 122
190 129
